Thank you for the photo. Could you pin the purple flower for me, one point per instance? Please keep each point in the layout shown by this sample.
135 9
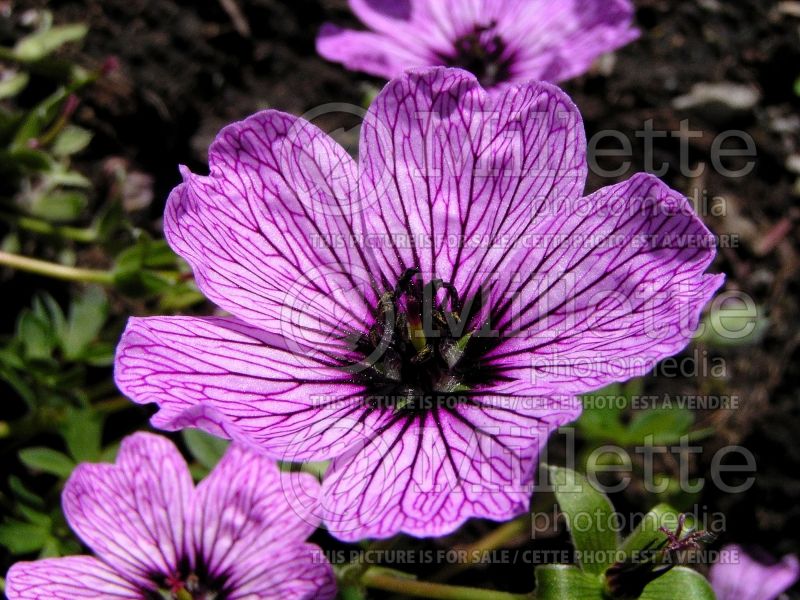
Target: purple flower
500 41
240 534
740 575
424 318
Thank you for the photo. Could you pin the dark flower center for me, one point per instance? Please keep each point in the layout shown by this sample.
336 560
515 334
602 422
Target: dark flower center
188 584
482 52
424 349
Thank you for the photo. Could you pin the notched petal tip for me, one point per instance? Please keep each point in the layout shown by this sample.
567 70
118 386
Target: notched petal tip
186 174
453 80
273 124
131 513
143 443
674 204
300 491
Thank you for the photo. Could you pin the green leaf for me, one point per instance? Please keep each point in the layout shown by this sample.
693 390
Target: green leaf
20 386
23 538
13 85
317 468
47 460
160 256
690 583
590 518
666 425
37 337
602 412
180 297
198 472
135 268
25 160
109 220
99 354
602 416
37 119
82 433
50 549
140 283
38 45
87 315
59 205
565 582
734 324
647 533
71 140
352 592
34 516
58 175
11 243
23 493
205 448
46 307
109 453
10 356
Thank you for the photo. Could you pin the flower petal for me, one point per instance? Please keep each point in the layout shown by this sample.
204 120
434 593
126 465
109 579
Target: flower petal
557 41
266 232
246 504
230 379
452 176
418 23
131 514
739 576
611 285
68 578
287 571
426 475
386 16
543 40
372 53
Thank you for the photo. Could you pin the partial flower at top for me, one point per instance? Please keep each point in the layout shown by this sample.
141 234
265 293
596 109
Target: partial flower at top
742 575
499 41
425 317
239 535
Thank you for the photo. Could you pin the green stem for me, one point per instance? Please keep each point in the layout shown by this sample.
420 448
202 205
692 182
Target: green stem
85 235
382 580
499 538
41 267
112 405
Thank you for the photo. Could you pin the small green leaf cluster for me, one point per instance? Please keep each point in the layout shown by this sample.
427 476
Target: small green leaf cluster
605 560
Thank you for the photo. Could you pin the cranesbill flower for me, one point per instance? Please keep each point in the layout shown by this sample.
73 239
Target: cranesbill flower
500 41
240 534
740 575
424 318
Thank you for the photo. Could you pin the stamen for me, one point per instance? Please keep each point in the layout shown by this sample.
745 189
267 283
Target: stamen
417 354
189 587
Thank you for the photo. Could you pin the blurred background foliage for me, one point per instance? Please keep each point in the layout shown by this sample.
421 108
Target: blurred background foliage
56 362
